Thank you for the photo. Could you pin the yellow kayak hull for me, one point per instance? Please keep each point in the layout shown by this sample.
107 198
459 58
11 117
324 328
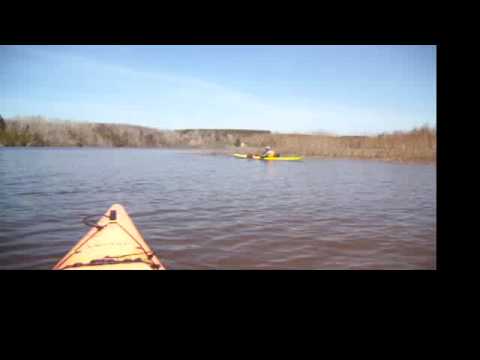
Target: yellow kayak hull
273 158
113 244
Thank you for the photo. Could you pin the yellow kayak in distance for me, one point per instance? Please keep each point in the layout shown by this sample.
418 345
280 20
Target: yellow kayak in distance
114 243
268 158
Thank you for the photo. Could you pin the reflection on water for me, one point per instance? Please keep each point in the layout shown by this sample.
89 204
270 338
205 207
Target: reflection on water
205 212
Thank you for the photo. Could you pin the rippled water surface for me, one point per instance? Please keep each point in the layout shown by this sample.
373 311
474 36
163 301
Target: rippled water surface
215 212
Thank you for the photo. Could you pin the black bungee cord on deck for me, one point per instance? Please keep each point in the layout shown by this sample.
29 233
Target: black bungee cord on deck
92 223
88 220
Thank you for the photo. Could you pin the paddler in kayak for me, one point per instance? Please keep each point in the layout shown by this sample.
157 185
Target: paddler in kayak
268 152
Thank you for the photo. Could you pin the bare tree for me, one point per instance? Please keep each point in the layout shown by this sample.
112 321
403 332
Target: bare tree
3 126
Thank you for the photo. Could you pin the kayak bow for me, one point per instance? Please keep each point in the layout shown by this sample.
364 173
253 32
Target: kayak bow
113 244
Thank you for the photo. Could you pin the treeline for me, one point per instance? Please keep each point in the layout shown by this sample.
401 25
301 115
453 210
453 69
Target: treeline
420 144
38 131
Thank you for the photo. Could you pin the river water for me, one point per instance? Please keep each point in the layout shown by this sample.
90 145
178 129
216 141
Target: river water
202 211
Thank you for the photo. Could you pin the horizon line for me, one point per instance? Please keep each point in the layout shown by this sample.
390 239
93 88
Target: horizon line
300 132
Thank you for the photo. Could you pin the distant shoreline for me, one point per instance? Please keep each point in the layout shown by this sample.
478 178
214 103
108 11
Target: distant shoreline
230 151
226 152
416 146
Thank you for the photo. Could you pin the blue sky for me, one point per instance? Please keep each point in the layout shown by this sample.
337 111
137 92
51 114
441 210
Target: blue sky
337 89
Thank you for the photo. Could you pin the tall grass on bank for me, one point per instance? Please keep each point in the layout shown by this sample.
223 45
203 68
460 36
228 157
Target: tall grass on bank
420 144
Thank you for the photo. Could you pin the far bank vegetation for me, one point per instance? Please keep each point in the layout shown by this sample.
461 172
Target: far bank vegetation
419 144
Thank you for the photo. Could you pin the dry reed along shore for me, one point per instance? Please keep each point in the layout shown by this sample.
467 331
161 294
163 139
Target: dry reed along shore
417 145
